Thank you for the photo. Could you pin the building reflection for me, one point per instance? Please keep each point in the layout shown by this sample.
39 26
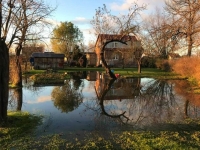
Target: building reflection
122 88
144 104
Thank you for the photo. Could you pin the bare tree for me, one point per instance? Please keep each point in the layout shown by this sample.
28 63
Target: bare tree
30 15
16 19
158 35
106 23
187 20
27 51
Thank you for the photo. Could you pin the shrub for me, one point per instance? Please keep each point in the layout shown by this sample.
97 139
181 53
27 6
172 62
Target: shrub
189 67
163 64
148 62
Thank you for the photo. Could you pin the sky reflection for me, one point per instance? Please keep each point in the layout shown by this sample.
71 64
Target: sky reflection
146 103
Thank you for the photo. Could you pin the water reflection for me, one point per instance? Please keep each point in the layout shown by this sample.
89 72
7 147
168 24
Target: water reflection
67 97
93 102
144 103
16 99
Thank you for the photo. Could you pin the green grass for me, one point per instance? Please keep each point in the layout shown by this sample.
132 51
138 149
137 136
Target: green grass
41 77
127 72
147 72
69 69
18 134
18 129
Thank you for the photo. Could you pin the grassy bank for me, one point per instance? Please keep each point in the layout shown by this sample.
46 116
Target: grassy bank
127 72
18 130
19 134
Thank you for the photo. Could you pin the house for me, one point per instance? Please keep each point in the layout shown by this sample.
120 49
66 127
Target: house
46 60
117 54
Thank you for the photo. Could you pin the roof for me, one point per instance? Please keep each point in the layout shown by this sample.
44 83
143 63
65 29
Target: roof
48 54
116 37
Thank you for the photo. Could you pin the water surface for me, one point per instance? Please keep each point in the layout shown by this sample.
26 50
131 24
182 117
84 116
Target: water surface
90 105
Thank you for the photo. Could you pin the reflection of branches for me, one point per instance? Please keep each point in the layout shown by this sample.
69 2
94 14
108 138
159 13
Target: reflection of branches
11 101
77 78
191 100
107 87
28 84
16 94
153 101
114 116
158 91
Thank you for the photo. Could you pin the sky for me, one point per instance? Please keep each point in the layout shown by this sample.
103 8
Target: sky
80 12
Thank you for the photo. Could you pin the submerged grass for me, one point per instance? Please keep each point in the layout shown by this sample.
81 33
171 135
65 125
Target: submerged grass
18 134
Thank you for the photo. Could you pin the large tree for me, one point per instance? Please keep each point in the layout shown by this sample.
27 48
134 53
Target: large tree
30 15
158 35
187 20
66 36
16 19
104 22
4 72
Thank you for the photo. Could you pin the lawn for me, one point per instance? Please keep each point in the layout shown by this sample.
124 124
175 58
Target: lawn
19 134
126 72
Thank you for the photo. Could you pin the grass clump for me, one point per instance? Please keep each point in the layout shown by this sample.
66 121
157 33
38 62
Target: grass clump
48 78
18 130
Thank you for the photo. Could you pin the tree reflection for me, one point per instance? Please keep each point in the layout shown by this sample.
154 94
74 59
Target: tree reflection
191 100
16 99
157 102
67 98
77 78
106 88
140 102
16 94
110 90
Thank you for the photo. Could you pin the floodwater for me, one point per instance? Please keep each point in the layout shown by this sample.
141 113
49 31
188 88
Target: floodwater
91 102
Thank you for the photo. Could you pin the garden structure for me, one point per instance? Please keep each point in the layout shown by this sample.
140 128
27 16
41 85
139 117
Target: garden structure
47 60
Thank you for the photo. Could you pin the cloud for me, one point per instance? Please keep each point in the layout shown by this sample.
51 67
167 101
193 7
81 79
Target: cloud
40 99
151 4
88 35
51 21
80 21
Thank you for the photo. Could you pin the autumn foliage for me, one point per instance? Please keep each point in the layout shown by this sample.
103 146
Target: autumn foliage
188 66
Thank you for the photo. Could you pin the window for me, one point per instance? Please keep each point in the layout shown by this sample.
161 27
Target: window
114 44
116 57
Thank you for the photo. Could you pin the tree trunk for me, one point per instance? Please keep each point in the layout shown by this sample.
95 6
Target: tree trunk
139 66
18 76
122 62
107 68
186 108
190 45
19 98
4 81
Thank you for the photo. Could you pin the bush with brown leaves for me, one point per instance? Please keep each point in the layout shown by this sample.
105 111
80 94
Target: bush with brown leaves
188 66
